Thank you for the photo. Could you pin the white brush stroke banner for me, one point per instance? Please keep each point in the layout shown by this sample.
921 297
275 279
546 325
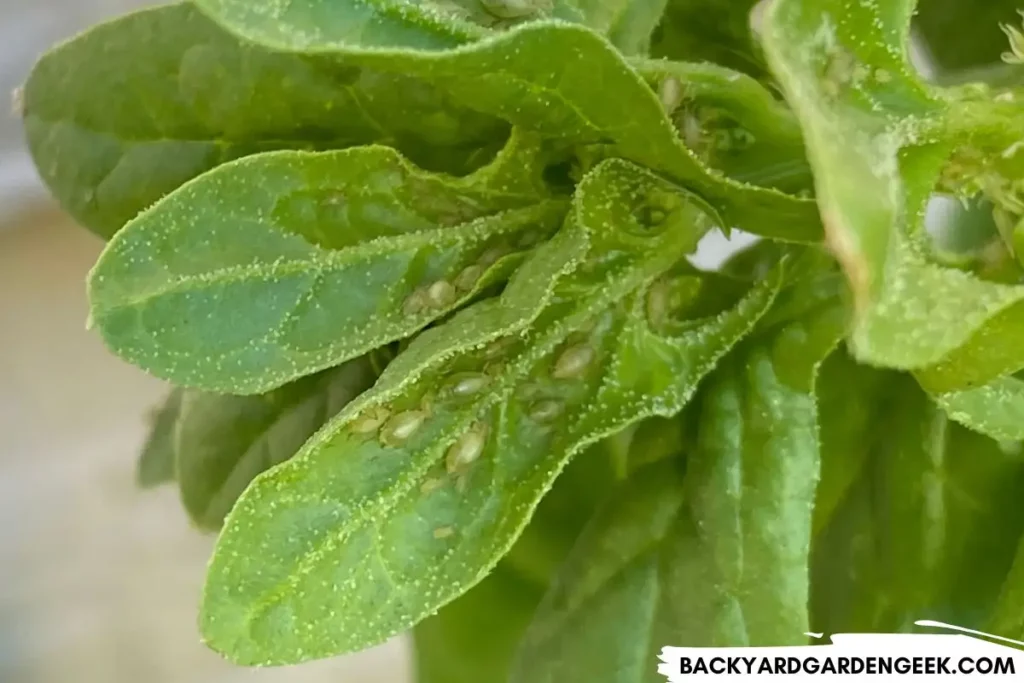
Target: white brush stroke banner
855 657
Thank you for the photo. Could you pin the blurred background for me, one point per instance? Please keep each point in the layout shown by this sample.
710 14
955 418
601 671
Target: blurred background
100 581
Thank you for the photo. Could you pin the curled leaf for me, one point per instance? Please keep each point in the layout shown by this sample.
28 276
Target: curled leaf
413 493
875 130
536 76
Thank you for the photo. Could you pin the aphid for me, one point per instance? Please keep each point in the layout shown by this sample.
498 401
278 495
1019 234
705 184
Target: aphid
497 348
443 532
671 94
658 302
370 421
466 449
467 383
431 485
573 362
494 369
545 410
491 256
401 427
441 294
416 302
466 280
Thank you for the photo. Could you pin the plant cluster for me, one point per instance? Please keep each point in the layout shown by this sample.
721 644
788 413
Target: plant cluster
420 273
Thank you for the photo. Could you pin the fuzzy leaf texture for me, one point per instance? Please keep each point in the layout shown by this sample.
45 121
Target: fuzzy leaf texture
417 489
473 639
299 261
134 108
717 556
874 128
538 76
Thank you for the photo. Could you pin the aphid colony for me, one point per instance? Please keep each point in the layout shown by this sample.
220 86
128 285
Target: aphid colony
442 294
394 429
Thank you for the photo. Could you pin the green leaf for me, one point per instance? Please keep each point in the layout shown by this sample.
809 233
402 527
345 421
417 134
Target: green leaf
718 31
297 261
1006 619
628 24
732 123
156 462
850 399
928 533
614 602
995 409
538 76
320 24
718 557
416 490
873 129
224 441
472 639
132 109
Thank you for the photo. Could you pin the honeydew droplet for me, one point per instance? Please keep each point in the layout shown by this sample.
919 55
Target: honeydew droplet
466 279
370 421
401 427
466 449
545 411
467 383
573 362
441 294
443 532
